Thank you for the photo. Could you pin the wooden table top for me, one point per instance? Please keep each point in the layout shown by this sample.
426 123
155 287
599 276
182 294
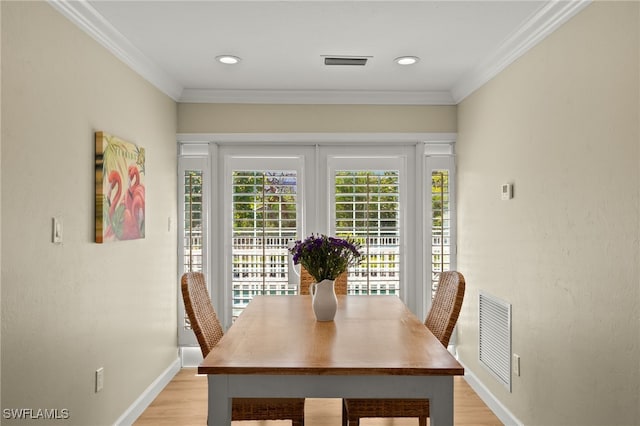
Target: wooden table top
371 335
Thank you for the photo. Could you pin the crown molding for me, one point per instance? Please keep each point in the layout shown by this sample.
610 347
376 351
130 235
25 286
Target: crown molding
542 23
371 97
90 21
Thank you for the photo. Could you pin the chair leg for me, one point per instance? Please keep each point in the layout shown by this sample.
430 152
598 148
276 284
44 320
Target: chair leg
297 422
422 421
344 414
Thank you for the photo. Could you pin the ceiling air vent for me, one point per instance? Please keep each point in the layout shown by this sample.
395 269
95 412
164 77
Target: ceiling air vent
346 60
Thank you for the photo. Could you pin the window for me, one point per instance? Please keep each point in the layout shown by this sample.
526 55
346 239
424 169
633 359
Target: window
192 220
192 226
441 216
440 226
260 204
264 222
367 204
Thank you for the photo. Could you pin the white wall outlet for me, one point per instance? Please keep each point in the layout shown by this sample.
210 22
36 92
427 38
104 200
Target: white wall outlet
99 379
516 364
56 230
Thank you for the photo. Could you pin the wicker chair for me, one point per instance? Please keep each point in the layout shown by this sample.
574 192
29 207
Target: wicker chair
441 320
306 280
208 330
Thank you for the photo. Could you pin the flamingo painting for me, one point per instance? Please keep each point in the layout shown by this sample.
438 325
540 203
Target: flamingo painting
120 190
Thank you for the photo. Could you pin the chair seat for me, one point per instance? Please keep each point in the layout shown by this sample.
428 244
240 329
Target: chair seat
268 409
358 408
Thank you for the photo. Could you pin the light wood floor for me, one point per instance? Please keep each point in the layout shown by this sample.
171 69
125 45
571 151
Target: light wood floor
184 402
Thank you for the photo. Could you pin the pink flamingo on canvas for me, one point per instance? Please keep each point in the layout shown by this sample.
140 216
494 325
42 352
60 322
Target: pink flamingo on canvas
121 221
135 198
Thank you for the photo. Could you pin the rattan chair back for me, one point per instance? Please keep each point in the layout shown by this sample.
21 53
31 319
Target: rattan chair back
446 306
306 280
202 317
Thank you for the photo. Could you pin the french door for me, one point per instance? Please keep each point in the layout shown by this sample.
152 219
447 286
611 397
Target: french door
263 215
368 197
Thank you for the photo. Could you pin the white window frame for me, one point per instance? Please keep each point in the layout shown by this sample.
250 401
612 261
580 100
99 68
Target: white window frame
438 156
192 157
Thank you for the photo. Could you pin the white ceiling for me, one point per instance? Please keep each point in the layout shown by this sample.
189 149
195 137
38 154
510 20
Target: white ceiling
462 44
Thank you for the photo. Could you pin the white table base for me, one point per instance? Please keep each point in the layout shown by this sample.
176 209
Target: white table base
438 389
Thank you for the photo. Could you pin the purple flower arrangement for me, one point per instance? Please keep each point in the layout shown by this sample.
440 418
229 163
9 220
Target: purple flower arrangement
326 257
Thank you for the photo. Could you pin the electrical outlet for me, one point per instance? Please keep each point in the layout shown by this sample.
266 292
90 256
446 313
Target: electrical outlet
516 364
99 379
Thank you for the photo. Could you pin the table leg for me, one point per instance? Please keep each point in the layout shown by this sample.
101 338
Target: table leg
441 403
219 407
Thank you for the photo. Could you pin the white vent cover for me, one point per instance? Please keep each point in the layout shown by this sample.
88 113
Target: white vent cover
495 337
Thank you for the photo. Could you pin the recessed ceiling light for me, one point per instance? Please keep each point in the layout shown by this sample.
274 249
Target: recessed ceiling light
228 59
406 60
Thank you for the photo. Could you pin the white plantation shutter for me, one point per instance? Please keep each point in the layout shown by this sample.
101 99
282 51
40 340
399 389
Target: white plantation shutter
193 187
367 207
264 204
192 218
440 226
439 219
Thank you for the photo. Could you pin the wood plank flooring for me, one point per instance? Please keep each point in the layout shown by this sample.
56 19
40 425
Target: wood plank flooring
184 403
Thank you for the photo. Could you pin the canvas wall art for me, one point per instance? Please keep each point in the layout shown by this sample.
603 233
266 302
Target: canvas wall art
120 189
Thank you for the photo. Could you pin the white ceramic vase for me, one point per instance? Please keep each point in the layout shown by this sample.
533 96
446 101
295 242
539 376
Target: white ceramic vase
325 302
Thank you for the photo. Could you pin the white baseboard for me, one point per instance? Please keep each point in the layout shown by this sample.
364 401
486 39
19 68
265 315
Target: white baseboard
147 397
190 356
488 398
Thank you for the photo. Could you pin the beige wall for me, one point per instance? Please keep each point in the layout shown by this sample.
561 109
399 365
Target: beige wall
258 118
561 124
72 308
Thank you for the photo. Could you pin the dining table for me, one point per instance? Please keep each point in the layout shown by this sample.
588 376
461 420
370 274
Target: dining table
374 348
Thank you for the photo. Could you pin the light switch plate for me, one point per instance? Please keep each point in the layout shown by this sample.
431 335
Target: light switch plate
506 191
99 379
56 231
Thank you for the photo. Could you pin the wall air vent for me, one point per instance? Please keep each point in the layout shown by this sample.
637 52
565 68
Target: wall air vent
495 337
346 60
